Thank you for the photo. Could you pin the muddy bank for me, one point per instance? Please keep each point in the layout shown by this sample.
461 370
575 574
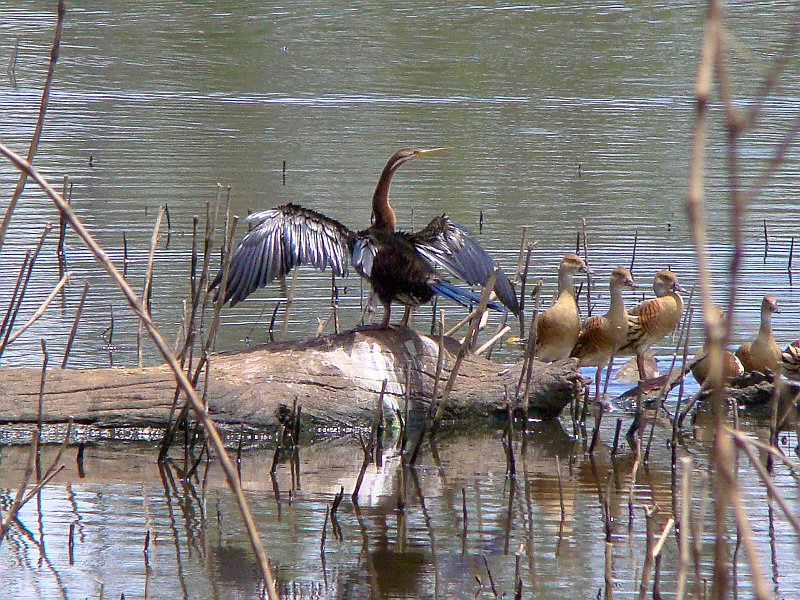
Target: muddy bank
335 378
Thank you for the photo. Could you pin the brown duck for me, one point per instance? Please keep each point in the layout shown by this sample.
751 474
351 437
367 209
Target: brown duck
600 337
558 327
762 353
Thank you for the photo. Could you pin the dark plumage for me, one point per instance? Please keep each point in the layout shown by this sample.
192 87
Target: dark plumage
400 266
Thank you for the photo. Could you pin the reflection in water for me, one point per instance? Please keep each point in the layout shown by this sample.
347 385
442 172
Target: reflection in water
137 525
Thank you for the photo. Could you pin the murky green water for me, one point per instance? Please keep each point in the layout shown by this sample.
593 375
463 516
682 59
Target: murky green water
555 112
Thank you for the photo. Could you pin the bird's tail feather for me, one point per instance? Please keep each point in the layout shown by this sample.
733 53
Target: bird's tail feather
462 296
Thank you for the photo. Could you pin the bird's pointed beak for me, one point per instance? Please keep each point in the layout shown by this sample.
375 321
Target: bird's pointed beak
631 284
431 151
679 288
586 270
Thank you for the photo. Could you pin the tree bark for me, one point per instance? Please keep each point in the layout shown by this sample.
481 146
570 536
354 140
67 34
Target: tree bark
336 379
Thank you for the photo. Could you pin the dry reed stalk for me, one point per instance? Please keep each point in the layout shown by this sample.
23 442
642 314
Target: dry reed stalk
439 361
139 309
775 452
698 527
561 492
228 232
743 443
74 330
683 526
62 231
518 269
435 394
695 207
14 294
676 421
37 132
657 556
462 322
147 290
287 309
39 312
615 445
649 512
523 283
406 403
464 520
369 447
462 352
530 354
508 442
16 300
588 275
11 68
493 340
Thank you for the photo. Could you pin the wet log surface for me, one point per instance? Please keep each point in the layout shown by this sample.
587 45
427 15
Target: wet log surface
336 379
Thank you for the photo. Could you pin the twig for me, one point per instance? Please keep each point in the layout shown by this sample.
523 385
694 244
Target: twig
147 290
74 330
39 312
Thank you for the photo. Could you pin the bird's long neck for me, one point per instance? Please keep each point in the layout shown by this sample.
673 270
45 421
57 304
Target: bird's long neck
382 214
566 283
617 306
765 331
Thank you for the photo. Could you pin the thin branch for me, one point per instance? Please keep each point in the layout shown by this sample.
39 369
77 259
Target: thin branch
39 312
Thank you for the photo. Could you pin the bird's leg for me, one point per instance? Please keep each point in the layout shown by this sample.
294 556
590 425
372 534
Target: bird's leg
406 316
384 324
597 377
640 364
387 313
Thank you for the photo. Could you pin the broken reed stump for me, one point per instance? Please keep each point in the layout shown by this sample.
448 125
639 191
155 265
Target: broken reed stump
337 378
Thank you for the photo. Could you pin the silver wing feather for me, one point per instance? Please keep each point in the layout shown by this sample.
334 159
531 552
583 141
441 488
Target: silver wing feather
282 238
450 246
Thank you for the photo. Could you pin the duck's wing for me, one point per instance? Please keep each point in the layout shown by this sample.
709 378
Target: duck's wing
282 238
450 246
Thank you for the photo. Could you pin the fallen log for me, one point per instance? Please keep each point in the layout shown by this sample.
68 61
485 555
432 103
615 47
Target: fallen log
335 378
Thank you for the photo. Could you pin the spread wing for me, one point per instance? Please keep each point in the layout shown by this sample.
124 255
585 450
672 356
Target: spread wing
282 238
450 246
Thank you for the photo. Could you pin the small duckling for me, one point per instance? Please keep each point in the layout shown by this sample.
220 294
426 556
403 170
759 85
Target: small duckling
762 353
601 336
731 366
652 320
558 327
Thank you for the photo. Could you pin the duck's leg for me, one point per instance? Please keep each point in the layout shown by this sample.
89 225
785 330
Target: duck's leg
597 377
640 364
